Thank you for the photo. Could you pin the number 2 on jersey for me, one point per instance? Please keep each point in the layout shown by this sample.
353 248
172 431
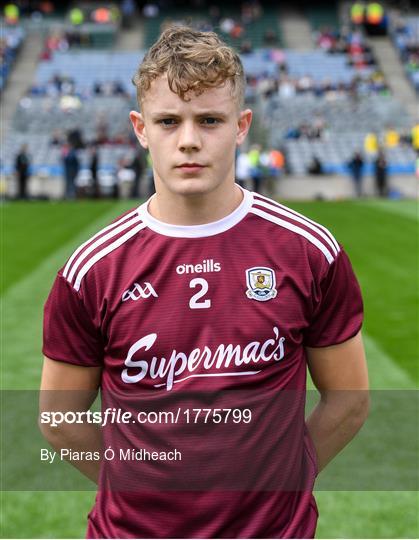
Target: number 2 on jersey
194 302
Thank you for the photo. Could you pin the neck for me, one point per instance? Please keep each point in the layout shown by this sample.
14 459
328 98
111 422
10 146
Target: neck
195 209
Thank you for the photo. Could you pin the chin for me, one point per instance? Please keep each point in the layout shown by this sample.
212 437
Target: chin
193 186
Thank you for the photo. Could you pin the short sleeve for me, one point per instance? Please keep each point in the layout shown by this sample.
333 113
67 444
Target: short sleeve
69 333
338 311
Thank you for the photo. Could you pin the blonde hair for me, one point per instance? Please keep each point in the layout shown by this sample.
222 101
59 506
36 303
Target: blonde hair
193 61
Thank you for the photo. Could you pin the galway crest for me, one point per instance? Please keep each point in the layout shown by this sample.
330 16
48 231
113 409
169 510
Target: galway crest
261 283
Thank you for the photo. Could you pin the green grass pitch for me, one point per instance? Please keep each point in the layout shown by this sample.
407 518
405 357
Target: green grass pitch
381 238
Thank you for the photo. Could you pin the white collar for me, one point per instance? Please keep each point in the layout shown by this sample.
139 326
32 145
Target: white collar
197 231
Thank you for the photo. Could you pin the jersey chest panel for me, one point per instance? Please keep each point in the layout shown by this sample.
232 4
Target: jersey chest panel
190 308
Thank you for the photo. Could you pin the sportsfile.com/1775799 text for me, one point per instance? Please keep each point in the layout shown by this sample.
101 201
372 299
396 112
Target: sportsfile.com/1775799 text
113 415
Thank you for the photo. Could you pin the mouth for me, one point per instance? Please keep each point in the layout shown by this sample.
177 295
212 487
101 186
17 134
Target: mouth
190 167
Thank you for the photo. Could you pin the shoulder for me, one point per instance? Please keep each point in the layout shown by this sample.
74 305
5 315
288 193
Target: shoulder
106 242
296 229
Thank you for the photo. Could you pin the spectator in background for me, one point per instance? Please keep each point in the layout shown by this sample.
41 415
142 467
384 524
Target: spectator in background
243 168
149 175
315 167
71 169
276 162
305 84
380 173
356 166
371 144
75 138
11 14
375 19
415 137
318 126
138 167
22 166
76 16
94 167
255 166
102 128
57 138
214 15
287 88
151 10
358 13
125 179
326 39
391 137
128 13
270 38
246 47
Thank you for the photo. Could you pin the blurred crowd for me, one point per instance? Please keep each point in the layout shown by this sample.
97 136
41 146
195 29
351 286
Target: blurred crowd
405 35
346 41
61 85
287 87
11 40
101 136
84 177
235 28
258 168
315 129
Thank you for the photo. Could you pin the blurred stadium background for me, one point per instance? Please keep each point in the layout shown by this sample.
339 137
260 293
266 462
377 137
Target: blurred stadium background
326 80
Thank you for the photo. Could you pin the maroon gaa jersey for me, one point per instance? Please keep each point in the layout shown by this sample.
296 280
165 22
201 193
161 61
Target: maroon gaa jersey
209 324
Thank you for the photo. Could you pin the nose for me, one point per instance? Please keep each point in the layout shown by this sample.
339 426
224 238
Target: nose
189 137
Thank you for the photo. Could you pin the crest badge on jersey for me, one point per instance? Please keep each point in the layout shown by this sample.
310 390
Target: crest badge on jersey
261 283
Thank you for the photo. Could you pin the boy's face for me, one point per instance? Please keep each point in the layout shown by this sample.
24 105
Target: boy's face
204 131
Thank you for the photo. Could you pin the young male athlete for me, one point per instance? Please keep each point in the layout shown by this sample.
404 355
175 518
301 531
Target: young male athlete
206 297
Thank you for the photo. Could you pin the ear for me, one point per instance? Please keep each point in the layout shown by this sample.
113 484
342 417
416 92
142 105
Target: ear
243 125
138 124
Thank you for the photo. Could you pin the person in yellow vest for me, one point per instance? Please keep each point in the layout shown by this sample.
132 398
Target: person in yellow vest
357 13
391 138
376 20
415 137
375 13
11 14
371 143
76 16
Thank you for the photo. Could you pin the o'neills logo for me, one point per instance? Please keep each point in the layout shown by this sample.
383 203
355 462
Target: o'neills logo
208 265
180 366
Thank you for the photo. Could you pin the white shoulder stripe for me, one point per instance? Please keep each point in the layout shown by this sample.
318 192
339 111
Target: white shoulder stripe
104 252
296 229
295 213
100 241
111 226
299 219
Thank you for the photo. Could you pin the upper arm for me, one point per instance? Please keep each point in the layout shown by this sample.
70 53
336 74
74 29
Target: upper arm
64 376
68 386
339 367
